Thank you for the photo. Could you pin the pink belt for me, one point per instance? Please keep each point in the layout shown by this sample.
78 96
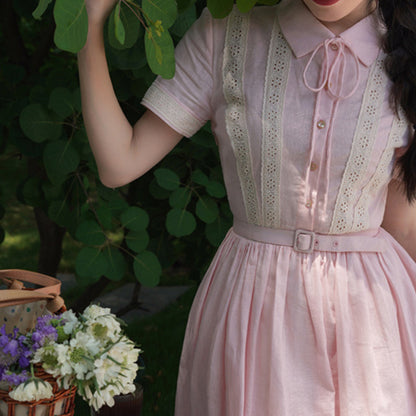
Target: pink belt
305 241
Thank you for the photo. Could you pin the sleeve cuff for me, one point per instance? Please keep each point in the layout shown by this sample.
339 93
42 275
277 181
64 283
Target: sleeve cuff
171 111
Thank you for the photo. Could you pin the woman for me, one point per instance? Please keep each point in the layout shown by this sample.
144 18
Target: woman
308 307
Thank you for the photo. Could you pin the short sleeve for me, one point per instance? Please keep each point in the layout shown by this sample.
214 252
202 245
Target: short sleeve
184 102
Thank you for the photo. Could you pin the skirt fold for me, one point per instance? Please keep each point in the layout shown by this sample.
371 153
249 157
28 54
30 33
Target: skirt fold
276 333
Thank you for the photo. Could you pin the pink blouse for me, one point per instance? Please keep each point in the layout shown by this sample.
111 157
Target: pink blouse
302 117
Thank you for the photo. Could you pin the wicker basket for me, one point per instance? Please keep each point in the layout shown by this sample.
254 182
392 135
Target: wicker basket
62 402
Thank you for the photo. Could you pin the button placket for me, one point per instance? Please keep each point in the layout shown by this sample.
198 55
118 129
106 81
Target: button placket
325 106
321 128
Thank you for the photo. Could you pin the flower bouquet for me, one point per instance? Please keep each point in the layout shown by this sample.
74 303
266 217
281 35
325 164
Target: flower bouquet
89 353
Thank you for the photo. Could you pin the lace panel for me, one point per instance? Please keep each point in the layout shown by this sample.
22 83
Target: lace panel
164 105
236 122
382 174
275 88
364 137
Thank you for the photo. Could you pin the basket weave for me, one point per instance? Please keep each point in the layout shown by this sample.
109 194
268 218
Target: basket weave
66 397
18 294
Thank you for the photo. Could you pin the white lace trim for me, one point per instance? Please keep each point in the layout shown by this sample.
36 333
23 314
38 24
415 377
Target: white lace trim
275 89
359 158
236 121
170 110
382 174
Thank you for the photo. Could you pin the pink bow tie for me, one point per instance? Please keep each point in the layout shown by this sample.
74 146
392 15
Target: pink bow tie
334 73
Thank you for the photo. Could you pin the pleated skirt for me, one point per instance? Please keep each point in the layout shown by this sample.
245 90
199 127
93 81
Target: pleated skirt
273 332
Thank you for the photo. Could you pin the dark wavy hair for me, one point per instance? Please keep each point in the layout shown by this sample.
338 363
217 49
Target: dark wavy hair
399 17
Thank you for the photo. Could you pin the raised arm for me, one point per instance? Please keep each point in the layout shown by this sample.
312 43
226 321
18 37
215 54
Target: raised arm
122 152
400 218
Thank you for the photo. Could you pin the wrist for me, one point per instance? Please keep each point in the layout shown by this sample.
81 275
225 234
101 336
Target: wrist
95 35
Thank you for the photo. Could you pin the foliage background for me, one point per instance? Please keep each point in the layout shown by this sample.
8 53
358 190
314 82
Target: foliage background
165 225
133 233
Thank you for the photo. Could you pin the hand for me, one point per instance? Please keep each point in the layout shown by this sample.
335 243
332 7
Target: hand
98 10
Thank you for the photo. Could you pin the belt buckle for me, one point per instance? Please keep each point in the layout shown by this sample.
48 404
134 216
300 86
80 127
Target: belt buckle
301 243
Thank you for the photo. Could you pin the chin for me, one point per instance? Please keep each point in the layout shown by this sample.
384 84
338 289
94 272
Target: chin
332 10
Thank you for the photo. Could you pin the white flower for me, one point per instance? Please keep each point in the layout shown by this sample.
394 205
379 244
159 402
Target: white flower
71 321
106 371
94 311
90 345
105 327
103 397
33 390
54 359
83 349
127 388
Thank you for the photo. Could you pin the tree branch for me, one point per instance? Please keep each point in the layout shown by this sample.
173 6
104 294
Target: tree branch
14 45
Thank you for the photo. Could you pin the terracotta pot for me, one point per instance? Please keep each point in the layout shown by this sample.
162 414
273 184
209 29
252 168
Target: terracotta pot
125 404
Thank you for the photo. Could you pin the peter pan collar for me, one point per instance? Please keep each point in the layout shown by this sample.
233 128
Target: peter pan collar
304 32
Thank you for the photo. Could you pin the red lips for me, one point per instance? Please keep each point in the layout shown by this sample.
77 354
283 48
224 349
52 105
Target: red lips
325 2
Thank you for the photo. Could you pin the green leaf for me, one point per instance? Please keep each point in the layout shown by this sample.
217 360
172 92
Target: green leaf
2 211
184 4
160 53
117 205
104 216
76 99
135 219
52 191
180 197
39 124
220 8
199 177
157 192
147 268
245 5
184 22
164 10
120 32
131 24
71 24
137 241
167 179
59 212
61 102
91 264
215 189
216 231
107 194
130 58
32 192
60 159
89 232
180 222
205 139
41 8
207 209
117 265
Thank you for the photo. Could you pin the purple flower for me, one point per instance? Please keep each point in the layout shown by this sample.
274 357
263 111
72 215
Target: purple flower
15 379
12 348
44 332
16 350
24 361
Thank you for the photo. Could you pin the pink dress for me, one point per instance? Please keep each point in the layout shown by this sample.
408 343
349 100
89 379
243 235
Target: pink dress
321 323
